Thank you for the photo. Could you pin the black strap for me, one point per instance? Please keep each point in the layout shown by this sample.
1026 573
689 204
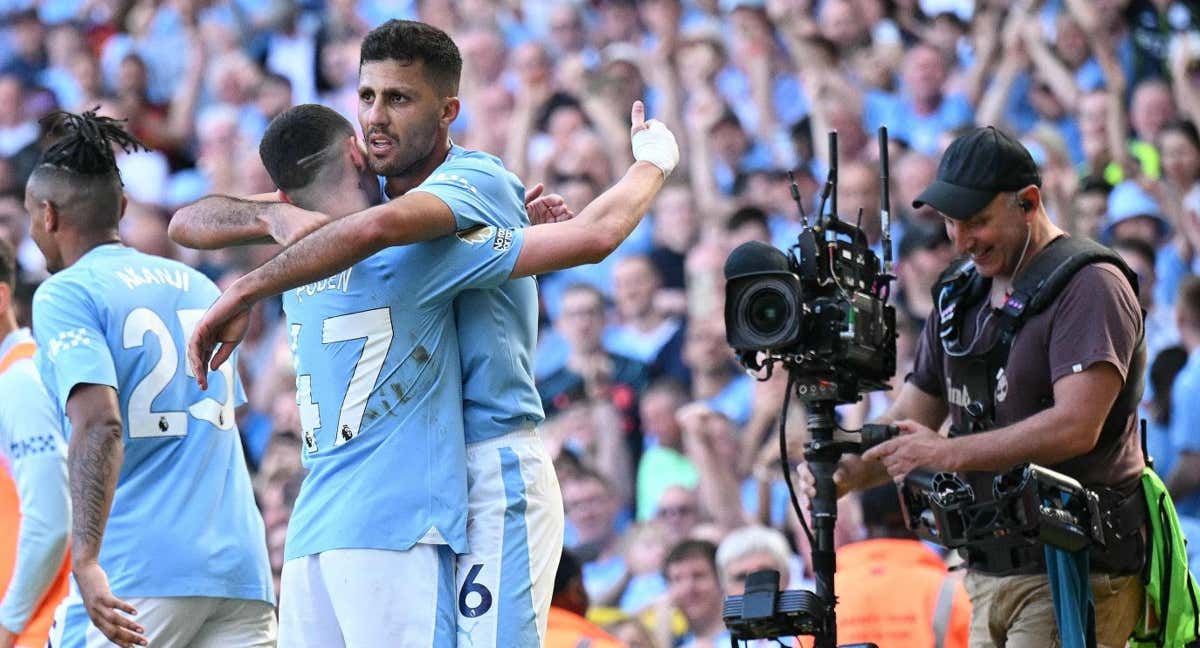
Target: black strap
960 286
1054 266
957 289
1047 275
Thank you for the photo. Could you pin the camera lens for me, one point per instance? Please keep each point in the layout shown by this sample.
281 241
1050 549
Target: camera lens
769 311
763 312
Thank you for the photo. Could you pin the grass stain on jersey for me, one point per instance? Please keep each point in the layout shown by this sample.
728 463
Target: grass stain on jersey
420 354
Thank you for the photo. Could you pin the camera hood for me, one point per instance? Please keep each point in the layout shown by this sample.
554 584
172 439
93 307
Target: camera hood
754 258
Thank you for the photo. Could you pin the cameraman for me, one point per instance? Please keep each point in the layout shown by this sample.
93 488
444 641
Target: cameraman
1066 397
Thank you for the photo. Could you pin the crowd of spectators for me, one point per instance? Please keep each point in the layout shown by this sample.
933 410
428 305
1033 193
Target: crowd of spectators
665 449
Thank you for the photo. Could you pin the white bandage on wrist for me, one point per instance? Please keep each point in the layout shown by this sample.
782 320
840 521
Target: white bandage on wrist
656 145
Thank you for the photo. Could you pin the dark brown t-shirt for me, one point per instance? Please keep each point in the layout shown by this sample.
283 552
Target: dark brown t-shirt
1095 318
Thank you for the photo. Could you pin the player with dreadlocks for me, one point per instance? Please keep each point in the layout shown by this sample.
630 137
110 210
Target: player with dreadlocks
167 546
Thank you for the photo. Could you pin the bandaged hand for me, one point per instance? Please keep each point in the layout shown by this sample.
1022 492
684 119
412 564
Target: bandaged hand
653 142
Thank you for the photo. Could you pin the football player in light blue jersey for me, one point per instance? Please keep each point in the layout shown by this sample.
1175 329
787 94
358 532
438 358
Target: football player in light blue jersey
164 524
379 386
515 508
350 615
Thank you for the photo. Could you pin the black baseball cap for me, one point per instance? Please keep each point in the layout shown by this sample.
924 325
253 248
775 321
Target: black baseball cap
975 167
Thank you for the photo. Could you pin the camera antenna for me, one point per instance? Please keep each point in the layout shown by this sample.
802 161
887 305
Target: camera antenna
830 188
799 202
833 174
885 203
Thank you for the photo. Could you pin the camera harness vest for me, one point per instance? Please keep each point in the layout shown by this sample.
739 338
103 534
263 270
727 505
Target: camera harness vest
961 287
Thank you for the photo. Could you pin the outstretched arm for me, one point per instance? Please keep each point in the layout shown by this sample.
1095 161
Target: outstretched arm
1064 431
420 216
220 221
611 218
596 231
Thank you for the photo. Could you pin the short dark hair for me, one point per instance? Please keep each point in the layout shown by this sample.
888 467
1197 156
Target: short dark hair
1095 183
569 570
587 473
555 102
1185 128
881 513
1188 299
8 263
744 216
293 139
691 548
584 287
409 40
1139 247
1161 376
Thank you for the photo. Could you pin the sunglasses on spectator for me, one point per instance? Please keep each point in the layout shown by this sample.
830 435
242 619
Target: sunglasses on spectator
738 577
676 511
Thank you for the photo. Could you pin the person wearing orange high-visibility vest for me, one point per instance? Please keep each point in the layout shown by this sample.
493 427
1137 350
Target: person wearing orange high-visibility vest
34 498
893 590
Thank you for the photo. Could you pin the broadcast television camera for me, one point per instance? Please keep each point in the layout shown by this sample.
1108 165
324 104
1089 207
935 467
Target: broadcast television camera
820 310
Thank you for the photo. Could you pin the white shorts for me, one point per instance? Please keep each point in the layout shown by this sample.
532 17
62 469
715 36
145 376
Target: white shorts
515 533
366 598
174 622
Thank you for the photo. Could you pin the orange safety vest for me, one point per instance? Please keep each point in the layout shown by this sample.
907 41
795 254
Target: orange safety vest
37 631
565 629
898 594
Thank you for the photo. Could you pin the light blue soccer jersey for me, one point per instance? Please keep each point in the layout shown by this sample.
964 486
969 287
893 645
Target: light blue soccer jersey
379 385
183 519
497 329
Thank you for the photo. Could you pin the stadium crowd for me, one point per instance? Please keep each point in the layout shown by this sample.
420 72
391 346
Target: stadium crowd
665 449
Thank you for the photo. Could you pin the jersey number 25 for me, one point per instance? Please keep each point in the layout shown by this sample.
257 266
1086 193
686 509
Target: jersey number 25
143 421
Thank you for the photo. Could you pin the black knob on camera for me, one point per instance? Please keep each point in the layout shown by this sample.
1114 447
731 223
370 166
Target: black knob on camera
873 434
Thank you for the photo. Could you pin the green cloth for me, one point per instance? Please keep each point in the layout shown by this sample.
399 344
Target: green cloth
660 469
1170 587
1147 157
